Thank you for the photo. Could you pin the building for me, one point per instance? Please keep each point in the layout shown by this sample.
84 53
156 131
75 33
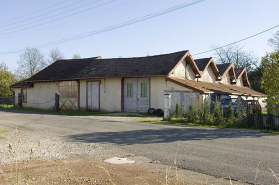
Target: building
133 84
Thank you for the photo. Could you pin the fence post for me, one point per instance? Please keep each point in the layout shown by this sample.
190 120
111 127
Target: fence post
57 96
167 106
20 99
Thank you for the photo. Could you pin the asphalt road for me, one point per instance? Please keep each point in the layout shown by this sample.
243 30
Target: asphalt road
239 154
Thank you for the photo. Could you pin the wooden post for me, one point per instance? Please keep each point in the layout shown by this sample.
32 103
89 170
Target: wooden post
20 99
57 97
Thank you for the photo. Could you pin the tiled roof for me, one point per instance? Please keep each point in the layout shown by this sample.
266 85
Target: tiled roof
158 65
238 71
21 84
223 67
202 63
214 87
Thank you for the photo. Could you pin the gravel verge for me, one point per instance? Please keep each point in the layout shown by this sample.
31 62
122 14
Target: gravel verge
22 145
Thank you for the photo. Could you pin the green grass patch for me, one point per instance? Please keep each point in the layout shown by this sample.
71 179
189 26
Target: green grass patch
61 112
6 106
178 121
2 131
140 115
269 131
183 121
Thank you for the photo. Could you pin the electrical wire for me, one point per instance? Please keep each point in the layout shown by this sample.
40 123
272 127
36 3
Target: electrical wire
75 19
133 21
59 18
237 41
33 12
46 17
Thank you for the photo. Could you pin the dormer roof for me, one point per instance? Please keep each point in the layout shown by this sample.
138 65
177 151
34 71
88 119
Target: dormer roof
242 72
204 63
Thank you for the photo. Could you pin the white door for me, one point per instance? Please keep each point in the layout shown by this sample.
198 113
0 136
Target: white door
136 94
93 95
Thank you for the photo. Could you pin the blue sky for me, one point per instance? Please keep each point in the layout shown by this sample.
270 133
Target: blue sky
195 28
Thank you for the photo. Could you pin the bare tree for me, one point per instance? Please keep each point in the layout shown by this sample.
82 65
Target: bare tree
54 55
76 56
236 55
30 63
274 42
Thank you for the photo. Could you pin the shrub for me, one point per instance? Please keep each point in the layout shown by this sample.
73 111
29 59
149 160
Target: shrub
217 113
178 111
192 114
207 117
230 115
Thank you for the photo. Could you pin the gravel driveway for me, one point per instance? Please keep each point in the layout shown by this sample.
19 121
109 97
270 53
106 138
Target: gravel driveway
217 152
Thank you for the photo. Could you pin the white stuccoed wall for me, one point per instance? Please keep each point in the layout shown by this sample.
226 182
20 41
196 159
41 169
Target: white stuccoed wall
208 75
39 95
110 94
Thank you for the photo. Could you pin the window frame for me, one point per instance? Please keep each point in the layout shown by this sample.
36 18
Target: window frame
143 90
130 90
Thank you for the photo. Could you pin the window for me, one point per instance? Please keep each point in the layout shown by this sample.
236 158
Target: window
24 95
68 89
143 90
130 90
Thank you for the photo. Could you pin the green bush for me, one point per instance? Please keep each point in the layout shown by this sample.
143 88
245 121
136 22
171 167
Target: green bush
192 114
178 111
230 115
217 113
207 117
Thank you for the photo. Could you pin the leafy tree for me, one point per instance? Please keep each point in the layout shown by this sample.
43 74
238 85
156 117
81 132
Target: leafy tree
255 77
6 80
54 55
270 81
30 63
76 56
236 55
274 42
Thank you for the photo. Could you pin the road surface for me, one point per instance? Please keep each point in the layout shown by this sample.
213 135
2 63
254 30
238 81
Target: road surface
239 154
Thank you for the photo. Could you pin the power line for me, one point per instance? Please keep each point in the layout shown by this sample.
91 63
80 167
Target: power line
238 40
34 12
59 18
77 19
41 15
133 21
47 17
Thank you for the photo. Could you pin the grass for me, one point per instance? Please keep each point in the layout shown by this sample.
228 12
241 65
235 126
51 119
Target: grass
61 112
182 121
74 112
2 131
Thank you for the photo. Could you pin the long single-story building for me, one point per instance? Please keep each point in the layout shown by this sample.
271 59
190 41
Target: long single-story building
132 84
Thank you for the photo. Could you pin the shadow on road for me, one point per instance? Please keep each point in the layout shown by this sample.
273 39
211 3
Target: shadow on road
162 135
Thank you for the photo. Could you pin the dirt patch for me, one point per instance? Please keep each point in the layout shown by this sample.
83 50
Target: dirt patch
85 171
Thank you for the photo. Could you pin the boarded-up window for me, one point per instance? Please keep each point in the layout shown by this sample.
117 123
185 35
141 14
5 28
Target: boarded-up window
68 89
143 90
130 90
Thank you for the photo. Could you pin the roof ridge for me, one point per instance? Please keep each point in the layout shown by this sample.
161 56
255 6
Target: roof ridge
147 56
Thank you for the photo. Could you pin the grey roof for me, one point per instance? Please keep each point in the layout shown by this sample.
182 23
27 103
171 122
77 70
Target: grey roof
22 84
201 63
158 65
222 67
238 71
